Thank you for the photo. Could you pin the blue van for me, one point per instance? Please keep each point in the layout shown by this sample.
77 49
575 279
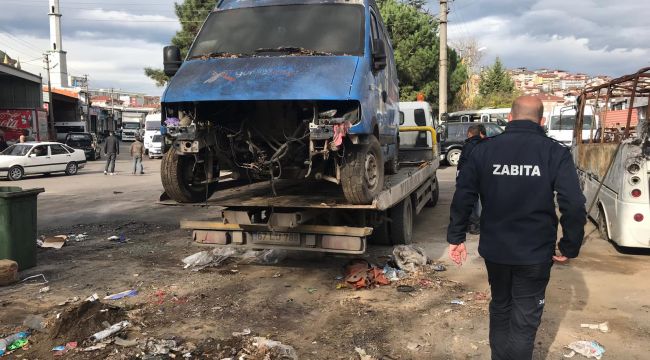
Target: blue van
283 89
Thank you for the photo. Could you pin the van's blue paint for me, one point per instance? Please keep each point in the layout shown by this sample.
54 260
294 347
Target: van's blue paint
299 78
264 78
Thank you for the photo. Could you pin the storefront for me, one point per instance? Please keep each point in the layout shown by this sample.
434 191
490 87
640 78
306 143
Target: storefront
21 105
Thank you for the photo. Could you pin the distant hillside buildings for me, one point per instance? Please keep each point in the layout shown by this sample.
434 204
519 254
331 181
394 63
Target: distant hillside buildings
553 82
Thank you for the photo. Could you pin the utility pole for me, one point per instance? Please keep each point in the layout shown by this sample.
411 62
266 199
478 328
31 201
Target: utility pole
88 122
112 125
50 108
444 60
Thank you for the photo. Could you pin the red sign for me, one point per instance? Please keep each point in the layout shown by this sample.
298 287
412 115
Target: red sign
14 122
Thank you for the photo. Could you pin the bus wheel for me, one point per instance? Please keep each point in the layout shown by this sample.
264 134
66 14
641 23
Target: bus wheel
602 224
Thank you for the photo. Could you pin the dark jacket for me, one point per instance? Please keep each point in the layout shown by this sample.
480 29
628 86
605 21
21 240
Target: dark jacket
516 175
470 143
112 145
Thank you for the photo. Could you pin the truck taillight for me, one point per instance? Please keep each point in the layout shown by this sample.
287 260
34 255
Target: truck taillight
636 193
638 217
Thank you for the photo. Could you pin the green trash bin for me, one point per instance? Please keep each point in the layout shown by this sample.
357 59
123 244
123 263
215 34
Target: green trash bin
18 225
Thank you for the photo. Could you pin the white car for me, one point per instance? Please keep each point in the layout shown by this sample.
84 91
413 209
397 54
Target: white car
40 158
155 147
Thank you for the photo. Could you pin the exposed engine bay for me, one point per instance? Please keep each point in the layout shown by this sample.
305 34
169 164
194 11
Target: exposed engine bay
265 140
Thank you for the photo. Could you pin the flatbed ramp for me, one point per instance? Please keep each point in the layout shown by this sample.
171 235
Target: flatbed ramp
314 216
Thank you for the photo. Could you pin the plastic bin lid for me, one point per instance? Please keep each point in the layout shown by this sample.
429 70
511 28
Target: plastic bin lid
16 192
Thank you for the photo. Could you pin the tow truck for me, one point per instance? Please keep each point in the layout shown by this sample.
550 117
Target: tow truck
315 216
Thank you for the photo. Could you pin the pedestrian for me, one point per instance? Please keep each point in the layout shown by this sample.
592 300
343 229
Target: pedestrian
516 175
24 136
475 134
111 149
137 152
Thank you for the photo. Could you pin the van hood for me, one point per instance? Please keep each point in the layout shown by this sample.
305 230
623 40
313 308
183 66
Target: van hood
263 78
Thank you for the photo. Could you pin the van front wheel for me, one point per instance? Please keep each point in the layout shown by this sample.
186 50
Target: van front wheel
184 180
362 172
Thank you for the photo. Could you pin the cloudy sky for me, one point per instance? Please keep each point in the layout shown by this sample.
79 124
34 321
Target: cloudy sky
112 41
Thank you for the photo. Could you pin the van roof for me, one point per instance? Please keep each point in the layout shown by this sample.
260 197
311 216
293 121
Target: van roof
237 4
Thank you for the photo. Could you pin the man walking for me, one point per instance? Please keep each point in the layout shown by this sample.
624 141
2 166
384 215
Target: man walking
516 175
475 134
137 151
111 149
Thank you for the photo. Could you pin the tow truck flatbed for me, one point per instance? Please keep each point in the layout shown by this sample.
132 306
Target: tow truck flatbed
314 216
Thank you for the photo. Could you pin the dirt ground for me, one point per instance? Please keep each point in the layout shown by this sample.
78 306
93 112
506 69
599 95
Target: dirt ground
296 301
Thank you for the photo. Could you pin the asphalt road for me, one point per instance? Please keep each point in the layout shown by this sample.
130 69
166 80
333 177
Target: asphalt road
603 284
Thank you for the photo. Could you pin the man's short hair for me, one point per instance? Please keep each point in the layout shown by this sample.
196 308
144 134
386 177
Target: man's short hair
475 130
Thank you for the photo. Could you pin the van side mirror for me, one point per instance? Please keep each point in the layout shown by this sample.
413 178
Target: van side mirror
378 54
401 118
171 60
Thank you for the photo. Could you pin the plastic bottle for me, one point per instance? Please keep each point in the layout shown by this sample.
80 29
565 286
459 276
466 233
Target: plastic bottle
4 343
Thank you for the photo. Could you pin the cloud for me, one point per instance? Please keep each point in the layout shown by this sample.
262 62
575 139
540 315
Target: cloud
591 36
111 43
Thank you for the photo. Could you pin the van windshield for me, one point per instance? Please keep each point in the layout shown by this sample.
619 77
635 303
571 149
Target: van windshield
568 122
336 29
131 125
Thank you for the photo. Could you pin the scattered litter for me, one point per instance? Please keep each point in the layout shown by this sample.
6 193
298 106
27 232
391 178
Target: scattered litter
340 286
589 349
277 275
338 278
92 298
118 192
35 277
409 257
113 329
34 322
61 350
439 267
393 274
54 242
78 237
125 343
161 347
8 272
243 333
95 347
603 327
284 351
311 290
405 288
217 256
17 344
473 346
122 295
44 290
119 239
457 302
7 344
361 274
58 348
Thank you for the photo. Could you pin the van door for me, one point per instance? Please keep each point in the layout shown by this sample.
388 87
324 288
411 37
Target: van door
386 122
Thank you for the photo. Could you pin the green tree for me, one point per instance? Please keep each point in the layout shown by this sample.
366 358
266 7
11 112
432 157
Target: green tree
414 36
496 89
191 14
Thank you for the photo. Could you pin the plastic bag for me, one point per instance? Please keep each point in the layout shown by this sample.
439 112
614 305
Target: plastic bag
589 349
409 257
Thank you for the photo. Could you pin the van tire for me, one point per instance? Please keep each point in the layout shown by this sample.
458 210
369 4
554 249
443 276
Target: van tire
453 156
362 172
401 227
173 173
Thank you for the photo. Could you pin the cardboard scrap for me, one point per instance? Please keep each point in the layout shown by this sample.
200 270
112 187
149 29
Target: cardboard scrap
54 242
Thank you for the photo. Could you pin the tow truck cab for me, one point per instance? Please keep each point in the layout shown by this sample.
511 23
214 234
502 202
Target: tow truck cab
283 89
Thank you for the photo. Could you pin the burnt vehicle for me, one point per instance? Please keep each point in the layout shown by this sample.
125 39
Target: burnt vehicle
291 89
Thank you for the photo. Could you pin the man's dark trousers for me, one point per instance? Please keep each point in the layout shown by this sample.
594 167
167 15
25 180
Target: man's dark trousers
516 308
110 162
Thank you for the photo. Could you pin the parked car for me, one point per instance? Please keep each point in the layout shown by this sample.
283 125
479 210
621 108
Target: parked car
155 147
453 136
86 142
301 89
40 158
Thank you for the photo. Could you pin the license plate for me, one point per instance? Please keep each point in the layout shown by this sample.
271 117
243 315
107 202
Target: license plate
276 238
